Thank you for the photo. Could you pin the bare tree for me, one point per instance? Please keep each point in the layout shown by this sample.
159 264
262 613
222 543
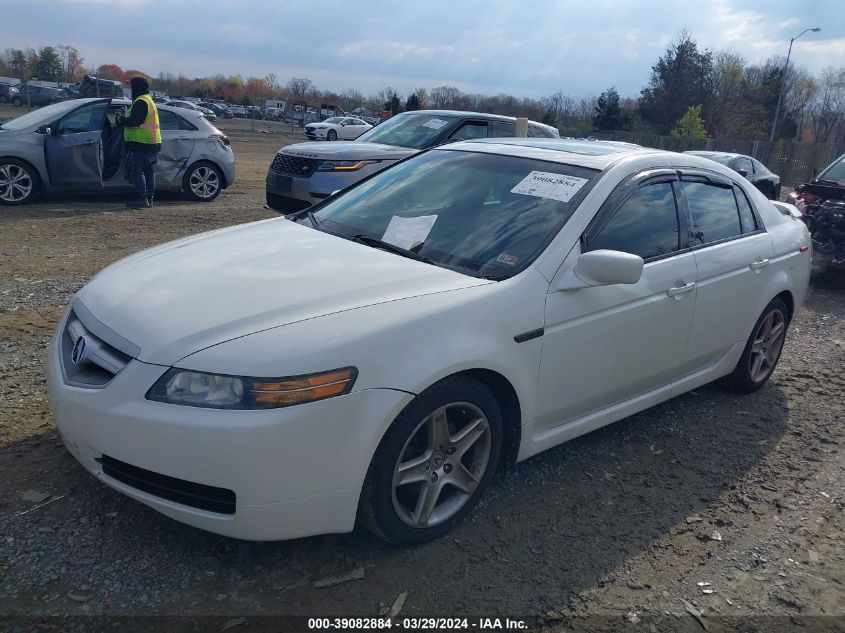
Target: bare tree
829 104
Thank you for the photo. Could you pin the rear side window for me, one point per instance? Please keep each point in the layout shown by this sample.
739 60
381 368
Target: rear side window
503 129
714 213
746 216
168 120
646 224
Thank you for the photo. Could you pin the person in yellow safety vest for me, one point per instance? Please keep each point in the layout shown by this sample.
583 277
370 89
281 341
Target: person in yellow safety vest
142 142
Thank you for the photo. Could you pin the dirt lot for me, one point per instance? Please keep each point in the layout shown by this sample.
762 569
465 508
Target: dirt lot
732 504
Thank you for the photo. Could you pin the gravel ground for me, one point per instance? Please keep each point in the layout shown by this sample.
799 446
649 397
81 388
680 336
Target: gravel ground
732 504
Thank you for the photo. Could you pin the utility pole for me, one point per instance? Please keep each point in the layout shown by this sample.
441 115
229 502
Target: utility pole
783 81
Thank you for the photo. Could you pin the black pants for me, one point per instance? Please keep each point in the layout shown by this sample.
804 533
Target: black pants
141 165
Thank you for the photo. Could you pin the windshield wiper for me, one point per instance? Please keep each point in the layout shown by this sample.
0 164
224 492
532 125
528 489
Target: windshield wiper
313 219
398 250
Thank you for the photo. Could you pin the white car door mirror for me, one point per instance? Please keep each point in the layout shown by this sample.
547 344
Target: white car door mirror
602 268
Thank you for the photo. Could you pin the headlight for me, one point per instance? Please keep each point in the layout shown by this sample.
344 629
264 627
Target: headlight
198 389
344 165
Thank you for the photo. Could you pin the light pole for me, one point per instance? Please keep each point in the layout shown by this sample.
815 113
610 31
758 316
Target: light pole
783 81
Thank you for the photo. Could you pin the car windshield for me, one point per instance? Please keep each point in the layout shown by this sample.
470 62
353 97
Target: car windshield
835 173
481 214
36 117
417 131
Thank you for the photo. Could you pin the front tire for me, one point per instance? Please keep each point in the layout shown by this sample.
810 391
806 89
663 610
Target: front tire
433 463
331 135
18 182
17 102
762 351
203 182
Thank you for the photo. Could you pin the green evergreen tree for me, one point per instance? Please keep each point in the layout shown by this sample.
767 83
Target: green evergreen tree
608 115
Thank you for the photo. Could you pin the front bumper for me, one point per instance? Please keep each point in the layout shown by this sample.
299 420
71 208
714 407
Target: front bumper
294 472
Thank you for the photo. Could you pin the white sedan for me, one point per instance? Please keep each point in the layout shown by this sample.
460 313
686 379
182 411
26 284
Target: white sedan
378 357
337 127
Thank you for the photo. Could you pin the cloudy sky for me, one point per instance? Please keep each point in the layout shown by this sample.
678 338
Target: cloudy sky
488 46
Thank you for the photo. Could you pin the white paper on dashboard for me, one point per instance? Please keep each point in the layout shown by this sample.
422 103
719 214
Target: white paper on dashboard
544 184
407 232
434 124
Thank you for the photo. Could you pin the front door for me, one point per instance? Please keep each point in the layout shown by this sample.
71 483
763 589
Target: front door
606 345
74 149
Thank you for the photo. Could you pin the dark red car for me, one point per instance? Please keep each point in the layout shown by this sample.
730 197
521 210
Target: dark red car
822 201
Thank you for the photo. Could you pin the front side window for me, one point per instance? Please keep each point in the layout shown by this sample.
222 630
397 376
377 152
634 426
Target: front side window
469 131
646 224
481 214
714 212
85 119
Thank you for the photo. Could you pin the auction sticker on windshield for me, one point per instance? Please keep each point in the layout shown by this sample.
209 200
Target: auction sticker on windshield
408 232
544 184
435 124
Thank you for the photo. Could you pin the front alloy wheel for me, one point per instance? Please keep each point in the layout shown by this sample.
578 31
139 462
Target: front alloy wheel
433 463
17 182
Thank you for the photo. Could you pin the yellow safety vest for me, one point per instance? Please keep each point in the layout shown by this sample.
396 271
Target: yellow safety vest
150 130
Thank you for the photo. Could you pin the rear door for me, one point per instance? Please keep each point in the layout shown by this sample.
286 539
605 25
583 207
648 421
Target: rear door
732 253
178 137
74 149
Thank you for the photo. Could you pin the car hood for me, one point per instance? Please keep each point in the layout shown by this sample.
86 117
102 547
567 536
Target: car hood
328 150
181 297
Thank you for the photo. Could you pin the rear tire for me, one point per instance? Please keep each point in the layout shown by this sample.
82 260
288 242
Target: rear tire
762 351
19 182
433 463
203 182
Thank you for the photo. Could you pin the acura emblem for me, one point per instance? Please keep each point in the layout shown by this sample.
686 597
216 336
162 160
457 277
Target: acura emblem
77 354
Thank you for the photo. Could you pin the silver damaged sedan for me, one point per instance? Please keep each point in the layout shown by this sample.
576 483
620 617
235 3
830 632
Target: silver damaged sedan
76 146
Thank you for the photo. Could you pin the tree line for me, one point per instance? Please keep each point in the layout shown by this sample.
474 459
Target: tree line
691 91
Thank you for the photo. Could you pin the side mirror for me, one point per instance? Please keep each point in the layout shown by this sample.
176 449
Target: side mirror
45 129
742 172
602 268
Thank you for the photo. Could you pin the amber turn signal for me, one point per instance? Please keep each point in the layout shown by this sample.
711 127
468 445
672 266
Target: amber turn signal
285 392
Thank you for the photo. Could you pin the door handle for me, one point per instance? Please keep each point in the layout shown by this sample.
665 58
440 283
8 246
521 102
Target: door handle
759 264
679 290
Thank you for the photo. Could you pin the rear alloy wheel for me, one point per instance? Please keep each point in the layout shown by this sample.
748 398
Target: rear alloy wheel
331 135
203 182
433 463
762 351
18 182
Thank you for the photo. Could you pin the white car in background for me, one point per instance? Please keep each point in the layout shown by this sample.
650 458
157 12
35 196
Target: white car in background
376 358
337 127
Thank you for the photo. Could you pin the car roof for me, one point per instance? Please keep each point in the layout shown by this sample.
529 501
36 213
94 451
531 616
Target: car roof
474 115
707 154
592 154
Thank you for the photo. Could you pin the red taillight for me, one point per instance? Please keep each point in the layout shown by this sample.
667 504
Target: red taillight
804 249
